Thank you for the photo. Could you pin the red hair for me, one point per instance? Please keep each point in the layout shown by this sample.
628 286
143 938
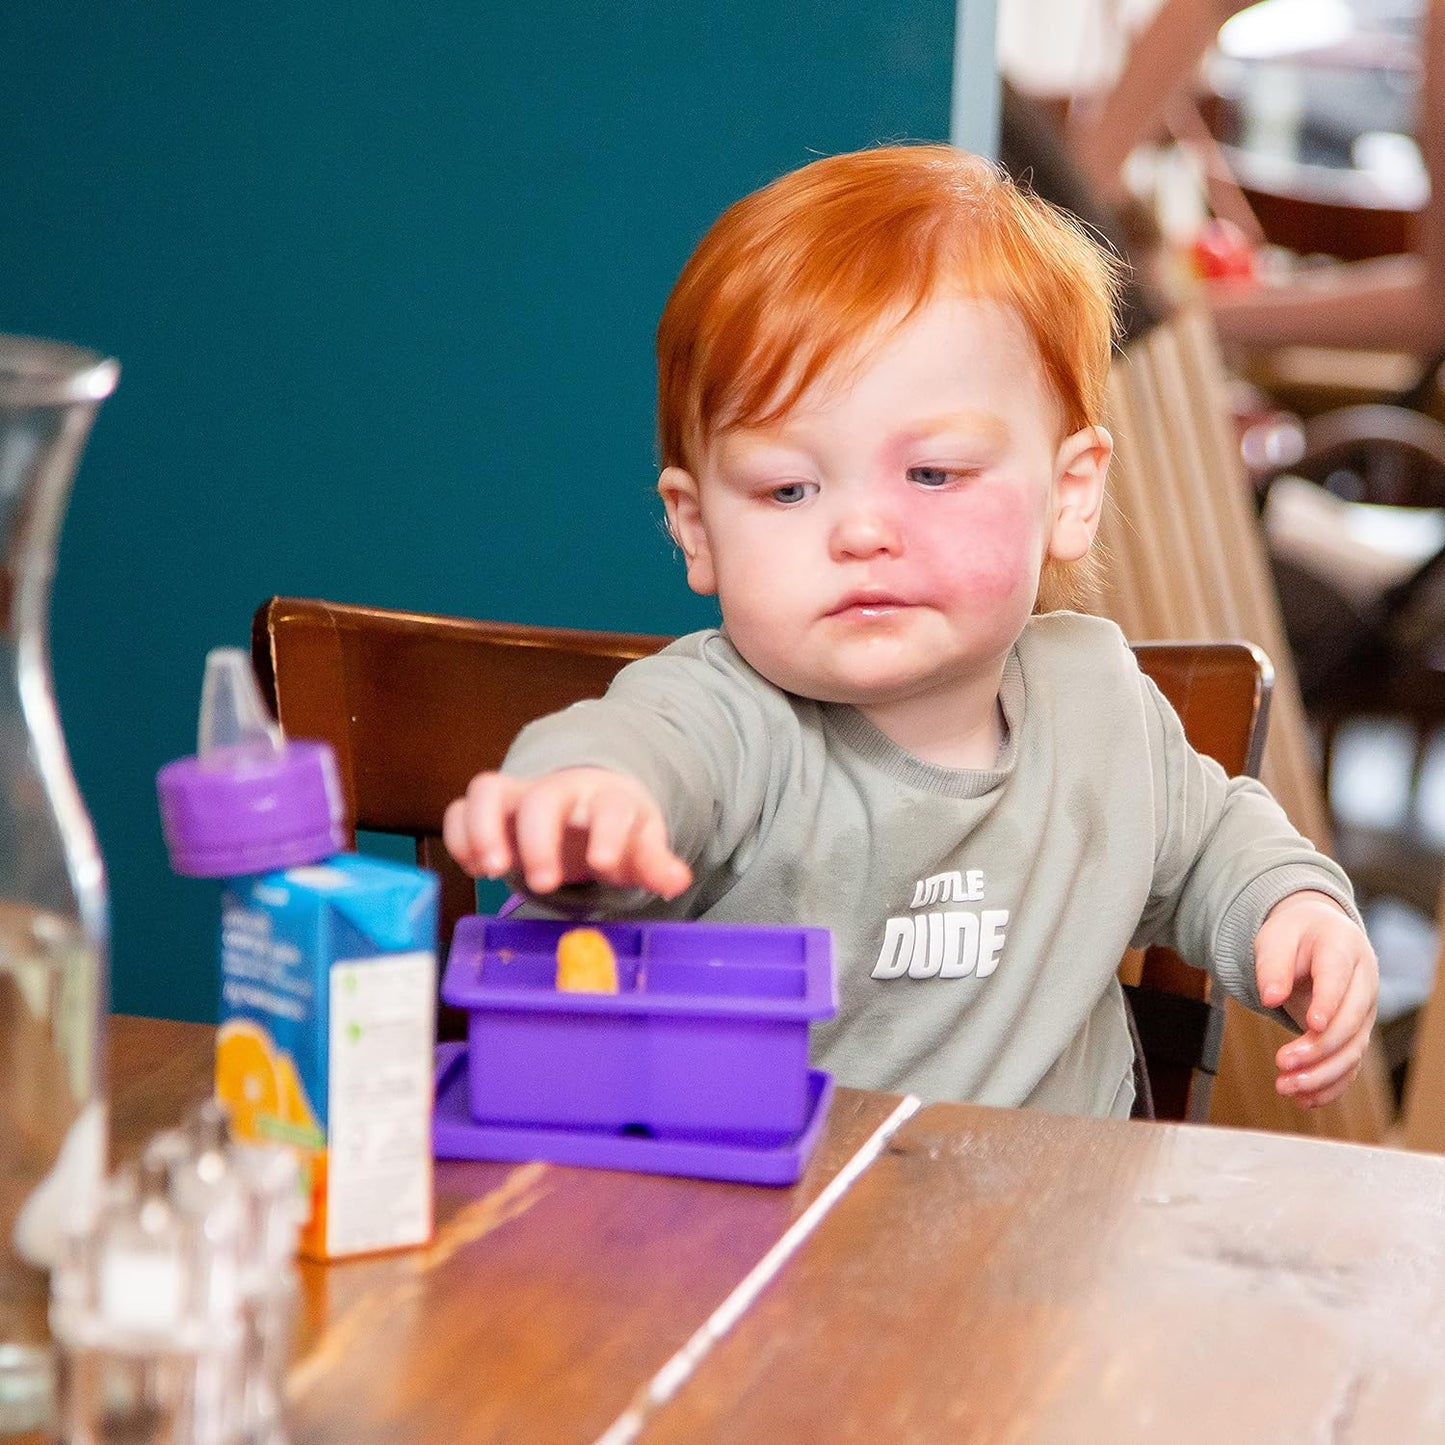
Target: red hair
791 280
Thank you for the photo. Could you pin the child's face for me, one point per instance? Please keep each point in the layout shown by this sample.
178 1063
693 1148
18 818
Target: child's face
881 544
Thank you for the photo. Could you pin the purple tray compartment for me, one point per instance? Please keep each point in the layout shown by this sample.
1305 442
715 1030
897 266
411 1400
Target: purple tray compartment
708 1031
742 1158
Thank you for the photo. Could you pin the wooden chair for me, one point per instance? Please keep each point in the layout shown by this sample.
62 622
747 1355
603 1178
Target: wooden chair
1186 559
1221 691
416 704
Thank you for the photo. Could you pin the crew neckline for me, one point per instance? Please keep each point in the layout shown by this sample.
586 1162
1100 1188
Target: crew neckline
874 747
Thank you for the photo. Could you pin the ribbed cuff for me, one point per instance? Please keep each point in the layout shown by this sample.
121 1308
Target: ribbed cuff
1234 939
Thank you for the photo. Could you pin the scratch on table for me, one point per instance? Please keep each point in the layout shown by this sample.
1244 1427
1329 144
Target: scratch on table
479 1218
522 1189
667 1381
338 1339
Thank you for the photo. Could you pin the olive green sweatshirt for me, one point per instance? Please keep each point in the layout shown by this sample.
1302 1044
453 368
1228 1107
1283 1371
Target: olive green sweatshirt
979 916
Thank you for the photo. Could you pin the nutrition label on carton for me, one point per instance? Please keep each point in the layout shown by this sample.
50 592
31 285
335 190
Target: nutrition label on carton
380 1095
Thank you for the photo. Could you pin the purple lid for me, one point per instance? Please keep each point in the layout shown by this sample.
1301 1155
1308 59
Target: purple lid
252 813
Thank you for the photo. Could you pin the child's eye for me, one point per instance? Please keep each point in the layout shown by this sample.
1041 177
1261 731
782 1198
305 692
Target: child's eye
791 493
931 476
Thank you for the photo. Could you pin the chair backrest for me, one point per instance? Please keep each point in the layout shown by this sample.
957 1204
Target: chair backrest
414 705
1221 691
1186 559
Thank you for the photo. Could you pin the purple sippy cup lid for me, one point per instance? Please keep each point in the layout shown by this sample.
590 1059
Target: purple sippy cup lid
249 801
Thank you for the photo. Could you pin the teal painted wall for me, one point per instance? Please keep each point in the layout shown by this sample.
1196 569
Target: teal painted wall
383 281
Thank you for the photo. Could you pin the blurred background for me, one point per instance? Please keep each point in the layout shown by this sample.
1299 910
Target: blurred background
383 285
1272 164
383 282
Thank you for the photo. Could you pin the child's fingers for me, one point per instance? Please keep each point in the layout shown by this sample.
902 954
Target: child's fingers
658 868
612 818
542 817
1321 1097
1338 1067
458 839
1324 1083
1275 966
1332 964
492 802
1356 1010
475 827
628 847
564 827
1309 1084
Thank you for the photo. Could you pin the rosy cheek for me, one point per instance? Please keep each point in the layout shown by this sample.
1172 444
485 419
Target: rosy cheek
983 551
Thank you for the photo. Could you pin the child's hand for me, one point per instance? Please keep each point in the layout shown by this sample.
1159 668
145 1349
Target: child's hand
1313 961
578 825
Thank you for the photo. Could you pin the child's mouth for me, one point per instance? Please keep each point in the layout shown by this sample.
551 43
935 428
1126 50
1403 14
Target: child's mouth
869 605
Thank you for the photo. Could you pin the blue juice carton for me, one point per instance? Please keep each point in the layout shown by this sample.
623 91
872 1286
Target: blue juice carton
328 971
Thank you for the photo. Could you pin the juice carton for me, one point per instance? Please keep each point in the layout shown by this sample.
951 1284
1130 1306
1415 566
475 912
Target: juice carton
328 987
328 971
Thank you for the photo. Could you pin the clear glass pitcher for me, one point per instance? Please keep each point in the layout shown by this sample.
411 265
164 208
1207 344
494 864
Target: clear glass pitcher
54 911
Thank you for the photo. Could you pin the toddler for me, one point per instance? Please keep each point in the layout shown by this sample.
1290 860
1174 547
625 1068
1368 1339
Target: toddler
880 380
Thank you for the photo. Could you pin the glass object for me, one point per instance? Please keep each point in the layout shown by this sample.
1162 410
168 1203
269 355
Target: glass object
172 1309
54 914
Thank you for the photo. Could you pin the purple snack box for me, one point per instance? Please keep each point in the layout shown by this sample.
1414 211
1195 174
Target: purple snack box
740 1158
708 1032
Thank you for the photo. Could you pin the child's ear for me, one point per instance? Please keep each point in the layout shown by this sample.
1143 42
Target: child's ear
1080 467
678 490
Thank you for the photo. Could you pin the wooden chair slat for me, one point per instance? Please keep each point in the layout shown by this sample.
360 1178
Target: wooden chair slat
1221 692
1177 458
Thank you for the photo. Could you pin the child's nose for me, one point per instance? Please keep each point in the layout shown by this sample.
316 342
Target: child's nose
865 531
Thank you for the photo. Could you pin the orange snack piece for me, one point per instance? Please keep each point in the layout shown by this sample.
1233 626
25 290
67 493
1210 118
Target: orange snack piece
585 962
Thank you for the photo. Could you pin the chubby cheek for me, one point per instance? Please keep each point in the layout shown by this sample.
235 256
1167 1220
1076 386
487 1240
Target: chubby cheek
986 552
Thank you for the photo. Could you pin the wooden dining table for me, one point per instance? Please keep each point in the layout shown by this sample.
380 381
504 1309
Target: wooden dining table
944 1273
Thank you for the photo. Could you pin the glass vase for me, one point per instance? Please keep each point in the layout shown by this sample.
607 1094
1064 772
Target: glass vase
54 911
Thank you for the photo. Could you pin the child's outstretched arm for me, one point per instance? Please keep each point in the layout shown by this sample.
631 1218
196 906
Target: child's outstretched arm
1314 961
576 825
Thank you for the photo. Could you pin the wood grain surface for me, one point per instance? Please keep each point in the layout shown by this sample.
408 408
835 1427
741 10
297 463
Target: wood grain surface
547 1299
1000 1276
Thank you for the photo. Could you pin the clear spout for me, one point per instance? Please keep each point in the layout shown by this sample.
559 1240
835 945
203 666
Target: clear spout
235 727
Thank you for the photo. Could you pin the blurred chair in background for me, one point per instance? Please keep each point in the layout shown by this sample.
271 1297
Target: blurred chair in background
1186 559
1354 498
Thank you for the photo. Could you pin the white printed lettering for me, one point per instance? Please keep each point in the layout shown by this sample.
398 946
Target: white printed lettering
991 939
960 944
897 941
919 961
949 944
927 945
948 888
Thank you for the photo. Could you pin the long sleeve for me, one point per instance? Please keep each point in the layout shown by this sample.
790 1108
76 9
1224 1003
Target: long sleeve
978 915
1225 854
702 733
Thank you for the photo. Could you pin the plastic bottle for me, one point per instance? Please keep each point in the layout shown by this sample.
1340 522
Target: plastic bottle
328 970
